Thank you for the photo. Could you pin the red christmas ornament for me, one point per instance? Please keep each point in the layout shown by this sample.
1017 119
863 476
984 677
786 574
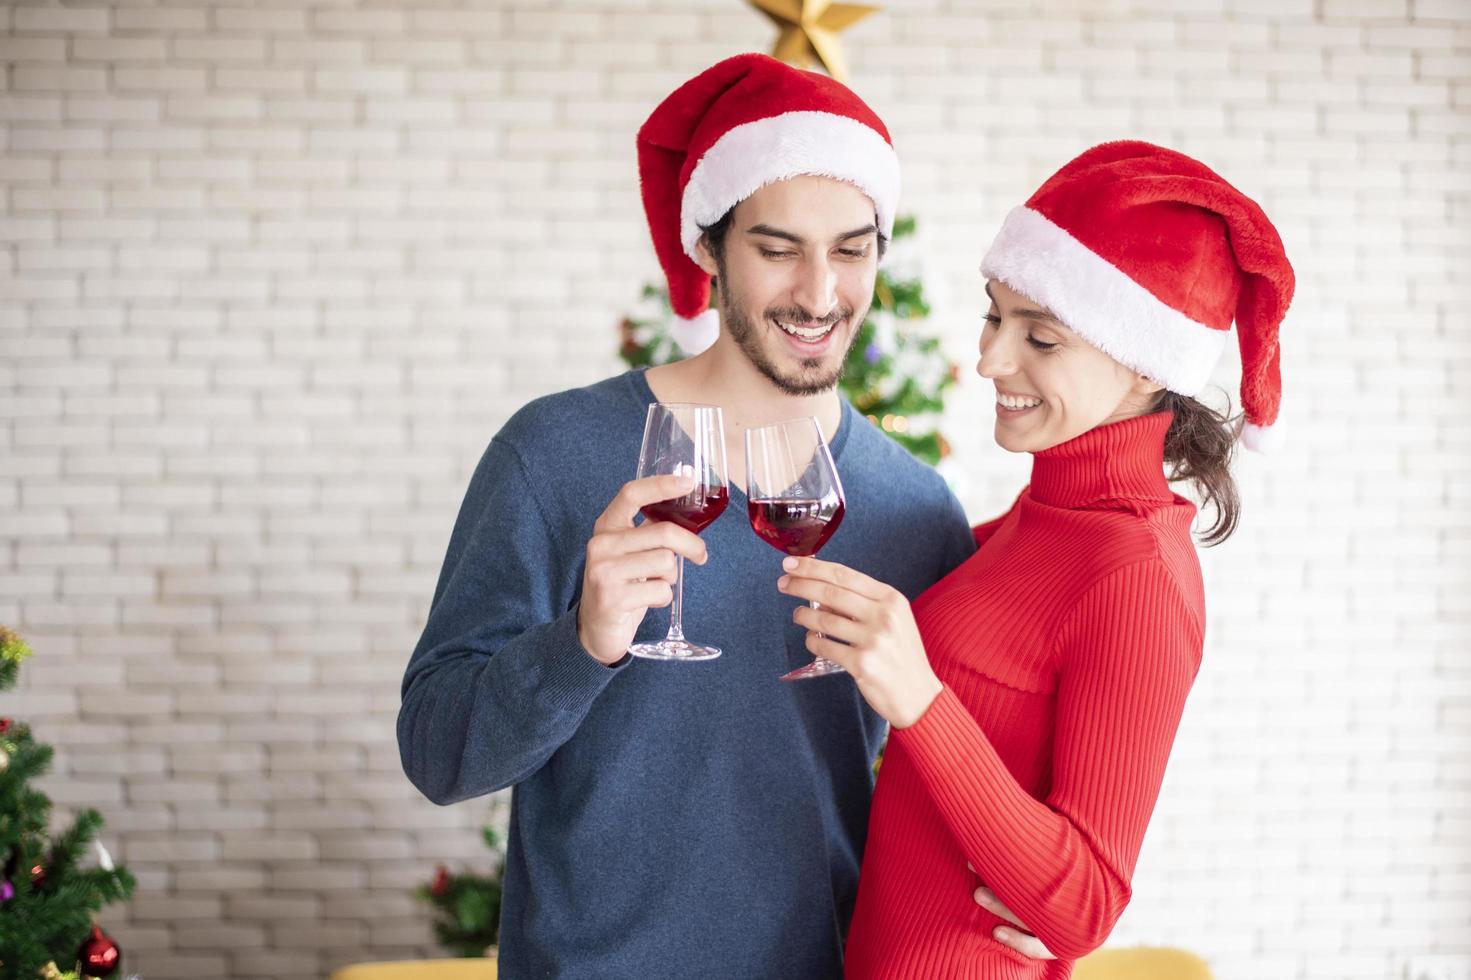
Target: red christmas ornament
4 725
99 955
441 882
38 877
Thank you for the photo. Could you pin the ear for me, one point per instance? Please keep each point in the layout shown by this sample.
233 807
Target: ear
706 260
1145 388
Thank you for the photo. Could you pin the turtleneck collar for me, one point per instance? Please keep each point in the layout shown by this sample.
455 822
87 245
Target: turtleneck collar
1120 461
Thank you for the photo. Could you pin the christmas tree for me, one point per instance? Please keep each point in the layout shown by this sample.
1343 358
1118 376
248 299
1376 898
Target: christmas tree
895 373
47 901
467 905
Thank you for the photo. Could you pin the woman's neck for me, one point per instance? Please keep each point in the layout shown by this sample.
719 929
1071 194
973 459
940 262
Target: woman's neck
1119 461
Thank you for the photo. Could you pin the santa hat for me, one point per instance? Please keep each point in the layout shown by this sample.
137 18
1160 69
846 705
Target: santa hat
739 125
1149 255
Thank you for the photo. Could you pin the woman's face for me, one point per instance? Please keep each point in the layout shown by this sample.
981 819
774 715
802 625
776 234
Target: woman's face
1051 385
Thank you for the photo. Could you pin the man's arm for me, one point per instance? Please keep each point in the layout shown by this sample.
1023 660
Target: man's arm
501 677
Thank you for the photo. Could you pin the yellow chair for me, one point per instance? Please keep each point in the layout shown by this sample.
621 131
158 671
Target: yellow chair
1141 963
419 970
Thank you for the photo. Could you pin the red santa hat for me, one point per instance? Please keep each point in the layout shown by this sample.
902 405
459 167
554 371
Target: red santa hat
1149 255
739 125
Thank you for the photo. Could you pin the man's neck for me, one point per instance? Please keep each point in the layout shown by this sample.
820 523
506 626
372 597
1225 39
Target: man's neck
724 376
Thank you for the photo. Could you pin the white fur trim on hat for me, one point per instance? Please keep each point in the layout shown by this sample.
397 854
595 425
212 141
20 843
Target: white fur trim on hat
1101 303
754 154
1264 439
696 334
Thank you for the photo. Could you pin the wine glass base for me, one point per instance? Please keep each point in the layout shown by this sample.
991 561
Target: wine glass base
667 649
818 668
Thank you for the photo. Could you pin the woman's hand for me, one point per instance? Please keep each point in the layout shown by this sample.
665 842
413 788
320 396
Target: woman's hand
880 644
1019 939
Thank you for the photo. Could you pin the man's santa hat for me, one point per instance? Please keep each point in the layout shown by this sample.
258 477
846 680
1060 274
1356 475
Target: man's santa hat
1149 255
739 125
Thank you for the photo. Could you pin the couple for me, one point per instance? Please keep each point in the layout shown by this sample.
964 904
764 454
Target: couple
707 821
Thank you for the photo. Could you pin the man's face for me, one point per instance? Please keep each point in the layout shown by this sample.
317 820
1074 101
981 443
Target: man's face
796 278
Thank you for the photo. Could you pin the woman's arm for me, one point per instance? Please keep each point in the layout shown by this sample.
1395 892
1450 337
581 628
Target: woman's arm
1128 652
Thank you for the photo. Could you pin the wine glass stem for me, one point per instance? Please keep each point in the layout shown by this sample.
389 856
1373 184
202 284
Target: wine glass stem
676 617
815 658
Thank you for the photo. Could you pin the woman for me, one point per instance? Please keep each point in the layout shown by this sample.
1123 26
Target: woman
1034 694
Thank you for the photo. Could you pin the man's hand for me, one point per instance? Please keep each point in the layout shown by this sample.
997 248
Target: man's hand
630 570
1019 938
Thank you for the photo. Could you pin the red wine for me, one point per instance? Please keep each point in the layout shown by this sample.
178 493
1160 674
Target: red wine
796 526
695 511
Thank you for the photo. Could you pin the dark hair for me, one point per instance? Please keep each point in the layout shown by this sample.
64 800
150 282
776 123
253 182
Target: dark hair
715 237
1198 447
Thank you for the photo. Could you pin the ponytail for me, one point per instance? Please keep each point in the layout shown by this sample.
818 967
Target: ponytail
1198 448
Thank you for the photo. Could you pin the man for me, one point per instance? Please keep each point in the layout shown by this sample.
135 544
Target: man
684 819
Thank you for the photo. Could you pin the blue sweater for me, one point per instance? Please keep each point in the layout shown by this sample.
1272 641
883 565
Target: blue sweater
680 820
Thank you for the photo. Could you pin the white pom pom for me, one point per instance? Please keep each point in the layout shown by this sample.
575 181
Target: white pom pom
103 858
1264 438
697 334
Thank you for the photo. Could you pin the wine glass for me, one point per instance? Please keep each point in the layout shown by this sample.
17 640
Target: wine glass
688 440
795 498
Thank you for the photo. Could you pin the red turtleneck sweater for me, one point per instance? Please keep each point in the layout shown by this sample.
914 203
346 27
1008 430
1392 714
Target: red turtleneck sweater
1066 646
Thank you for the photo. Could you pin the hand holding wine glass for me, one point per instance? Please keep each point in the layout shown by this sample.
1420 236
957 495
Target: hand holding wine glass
869 628
795 498
630 570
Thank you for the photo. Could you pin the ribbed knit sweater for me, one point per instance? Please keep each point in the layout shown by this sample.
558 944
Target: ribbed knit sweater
1066 646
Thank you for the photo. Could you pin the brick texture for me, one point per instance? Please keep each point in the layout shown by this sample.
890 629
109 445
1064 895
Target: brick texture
271 275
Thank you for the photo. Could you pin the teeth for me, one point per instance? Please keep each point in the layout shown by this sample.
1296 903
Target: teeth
805 333
1016 401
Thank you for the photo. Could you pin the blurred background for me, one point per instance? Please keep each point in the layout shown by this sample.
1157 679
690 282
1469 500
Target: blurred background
272 274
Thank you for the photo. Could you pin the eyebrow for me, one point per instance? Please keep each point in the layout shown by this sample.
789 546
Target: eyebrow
1027 313
771 232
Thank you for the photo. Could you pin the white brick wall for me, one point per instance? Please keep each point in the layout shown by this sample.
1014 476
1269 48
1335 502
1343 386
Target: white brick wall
270 276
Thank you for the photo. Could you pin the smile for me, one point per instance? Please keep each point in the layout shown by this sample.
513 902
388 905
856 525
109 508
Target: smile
1016 403
810 334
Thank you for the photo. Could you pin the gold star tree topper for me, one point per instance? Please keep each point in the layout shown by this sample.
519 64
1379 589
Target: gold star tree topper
809 31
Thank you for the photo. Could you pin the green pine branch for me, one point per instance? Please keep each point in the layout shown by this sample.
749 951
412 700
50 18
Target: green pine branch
61 861
467 905
13 650
46 919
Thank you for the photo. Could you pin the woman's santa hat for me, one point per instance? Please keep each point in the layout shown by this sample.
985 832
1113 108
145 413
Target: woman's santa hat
739 125
1149 255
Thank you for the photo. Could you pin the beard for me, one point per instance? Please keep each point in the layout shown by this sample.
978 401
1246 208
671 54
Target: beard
811 378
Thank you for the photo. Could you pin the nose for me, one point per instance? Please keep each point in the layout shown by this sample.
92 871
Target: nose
998 353
816 290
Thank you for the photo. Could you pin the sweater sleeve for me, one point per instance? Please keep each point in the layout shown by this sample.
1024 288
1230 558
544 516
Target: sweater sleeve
1128 654
499 680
